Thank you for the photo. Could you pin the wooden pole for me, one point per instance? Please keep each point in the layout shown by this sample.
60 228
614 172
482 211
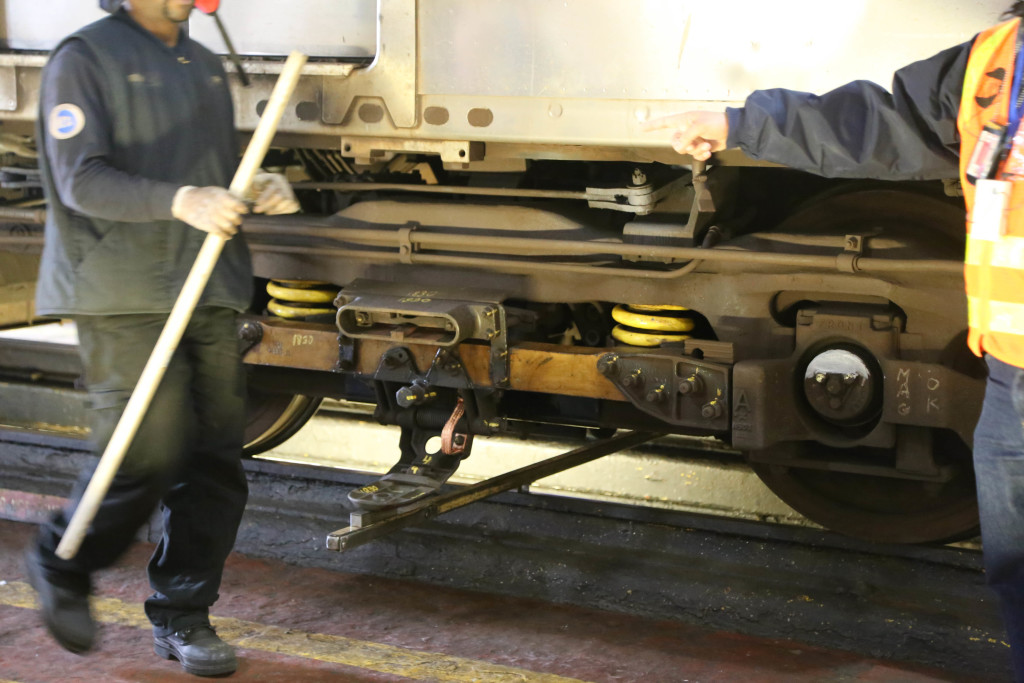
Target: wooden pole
180 315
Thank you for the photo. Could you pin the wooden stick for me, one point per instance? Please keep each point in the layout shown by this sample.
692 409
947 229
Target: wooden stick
180 315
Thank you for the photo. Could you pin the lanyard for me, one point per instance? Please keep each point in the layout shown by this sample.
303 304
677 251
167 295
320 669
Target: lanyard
1016 97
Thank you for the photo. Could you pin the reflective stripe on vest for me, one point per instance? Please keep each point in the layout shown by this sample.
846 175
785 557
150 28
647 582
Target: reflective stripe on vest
993 268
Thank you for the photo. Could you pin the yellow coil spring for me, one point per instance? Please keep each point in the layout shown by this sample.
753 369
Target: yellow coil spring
297 299
643 325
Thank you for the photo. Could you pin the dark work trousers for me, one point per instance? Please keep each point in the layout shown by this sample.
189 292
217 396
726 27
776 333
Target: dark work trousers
186 456
999 466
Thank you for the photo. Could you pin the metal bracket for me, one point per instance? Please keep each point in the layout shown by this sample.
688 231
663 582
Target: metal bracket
8 88
367 150
638 199
346 353
397 313
699 191
391 78
405 244
446 370
703 210
853 249
678 389
367 526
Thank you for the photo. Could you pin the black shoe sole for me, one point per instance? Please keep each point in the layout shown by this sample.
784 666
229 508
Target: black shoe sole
168 652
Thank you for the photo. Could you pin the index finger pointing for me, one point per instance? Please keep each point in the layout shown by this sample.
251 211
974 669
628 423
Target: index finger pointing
663 122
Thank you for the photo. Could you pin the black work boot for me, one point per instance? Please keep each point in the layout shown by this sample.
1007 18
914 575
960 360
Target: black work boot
65 610
199 649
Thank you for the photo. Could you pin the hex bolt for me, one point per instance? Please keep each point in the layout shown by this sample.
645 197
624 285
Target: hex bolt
251 332
639 177
711 410
657 395
691 385
608 364
410 395
634 379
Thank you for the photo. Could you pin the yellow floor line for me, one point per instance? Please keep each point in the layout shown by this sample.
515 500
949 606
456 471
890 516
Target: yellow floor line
361 654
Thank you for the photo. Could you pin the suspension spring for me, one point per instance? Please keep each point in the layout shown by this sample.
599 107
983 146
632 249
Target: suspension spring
301 299
645 325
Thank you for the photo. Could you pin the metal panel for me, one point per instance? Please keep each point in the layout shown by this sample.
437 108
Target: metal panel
679 49
320 28
35 25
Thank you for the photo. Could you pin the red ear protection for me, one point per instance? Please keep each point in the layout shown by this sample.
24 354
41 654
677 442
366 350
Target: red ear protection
207 6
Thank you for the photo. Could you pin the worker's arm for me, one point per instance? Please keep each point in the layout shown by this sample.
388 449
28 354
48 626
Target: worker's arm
858 130
77 132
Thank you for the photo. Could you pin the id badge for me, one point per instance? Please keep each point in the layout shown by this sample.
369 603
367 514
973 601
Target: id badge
985 157
988 218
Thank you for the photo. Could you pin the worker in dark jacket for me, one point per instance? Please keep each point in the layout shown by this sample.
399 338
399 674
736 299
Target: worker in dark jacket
137 145
955 113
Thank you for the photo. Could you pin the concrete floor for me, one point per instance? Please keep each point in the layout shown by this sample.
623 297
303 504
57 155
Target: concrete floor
294 624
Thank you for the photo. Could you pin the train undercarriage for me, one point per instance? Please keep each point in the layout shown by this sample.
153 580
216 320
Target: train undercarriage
820 334
828 347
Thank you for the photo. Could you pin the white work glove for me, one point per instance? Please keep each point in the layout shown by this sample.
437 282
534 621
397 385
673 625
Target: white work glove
272 194
210 209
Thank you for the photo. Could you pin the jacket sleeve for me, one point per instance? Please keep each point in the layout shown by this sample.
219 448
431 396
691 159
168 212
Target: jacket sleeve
860 130
76 129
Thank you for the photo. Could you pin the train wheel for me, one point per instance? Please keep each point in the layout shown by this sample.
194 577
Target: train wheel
274 418
880 509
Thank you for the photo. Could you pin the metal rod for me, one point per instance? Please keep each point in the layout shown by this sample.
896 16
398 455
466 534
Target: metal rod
525 245
231 50
520 246
352 537
449 189
9 213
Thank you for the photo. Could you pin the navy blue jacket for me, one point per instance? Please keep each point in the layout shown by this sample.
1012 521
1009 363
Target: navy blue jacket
860 130
125 121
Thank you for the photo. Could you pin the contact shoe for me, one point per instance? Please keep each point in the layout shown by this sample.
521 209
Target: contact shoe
199 649
65 610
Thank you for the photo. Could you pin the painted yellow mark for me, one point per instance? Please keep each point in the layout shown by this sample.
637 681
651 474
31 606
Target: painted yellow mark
415 664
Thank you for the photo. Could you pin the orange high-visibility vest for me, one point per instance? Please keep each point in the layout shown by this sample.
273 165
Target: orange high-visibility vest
993 268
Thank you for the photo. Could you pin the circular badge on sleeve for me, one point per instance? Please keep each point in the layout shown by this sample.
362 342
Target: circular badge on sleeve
66 121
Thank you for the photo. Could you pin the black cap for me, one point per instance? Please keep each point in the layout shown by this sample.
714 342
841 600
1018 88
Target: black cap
111 5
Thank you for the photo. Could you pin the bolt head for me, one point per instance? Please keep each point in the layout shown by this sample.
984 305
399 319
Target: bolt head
608 364
712 410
